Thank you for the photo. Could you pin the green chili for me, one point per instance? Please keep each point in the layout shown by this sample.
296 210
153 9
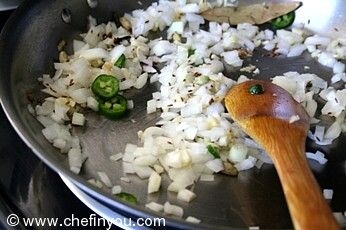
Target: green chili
127 197
190 52
213 151
113 108
283 21
105 86
256 89
120 62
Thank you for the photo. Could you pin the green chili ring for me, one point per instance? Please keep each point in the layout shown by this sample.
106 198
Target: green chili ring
105 86
113 108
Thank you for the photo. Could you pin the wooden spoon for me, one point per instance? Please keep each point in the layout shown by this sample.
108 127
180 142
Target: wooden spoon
270 118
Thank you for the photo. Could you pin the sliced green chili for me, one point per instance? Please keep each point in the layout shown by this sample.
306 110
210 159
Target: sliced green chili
190 52
120 62
283 21
213 151
113 108
105 86
256 89
127 197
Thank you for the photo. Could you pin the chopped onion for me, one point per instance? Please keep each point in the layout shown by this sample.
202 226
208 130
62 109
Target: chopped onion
245 164
78 119
105 179
174 210
192 219
125 179
154 182
319 133
328 194
116 157
186 195
75 160
206 177
92 103
318 156
141 81
333 131
143 171
130 104
154 206
151 106
95 53
215 165
237 153
116 189
232 58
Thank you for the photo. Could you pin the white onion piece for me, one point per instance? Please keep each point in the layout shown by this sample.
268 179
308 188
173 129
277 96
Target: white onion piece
92 103
143 171
116 157
333 131
75 160
215 165
116 52
317 40
296 50
319 132
232 58
237 153
154 182
245 164
186 195
328 194
154 206
318 156
141 81
78 119
95 53
206 177
105 179
192 219
116 189
170 209
151 106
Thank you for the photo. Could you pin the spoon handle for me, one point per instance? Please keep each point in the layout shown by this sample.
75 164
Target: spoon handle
266 116
306 203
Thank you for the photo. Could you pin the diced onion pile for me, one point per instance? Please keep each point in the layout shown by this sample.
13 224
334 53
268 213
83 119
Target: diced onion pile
191 93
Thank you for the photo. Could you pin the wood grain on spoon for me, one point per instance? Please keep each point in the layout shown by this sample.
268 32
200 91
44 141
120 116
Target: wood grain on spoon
266 118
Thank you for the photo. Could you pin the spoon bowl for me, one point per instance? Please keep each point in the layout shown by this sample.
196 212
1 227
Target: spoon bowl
271 116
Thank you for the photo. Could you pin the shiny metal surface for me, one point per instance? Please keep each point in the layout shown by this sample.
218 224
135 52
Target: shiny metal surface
9 4
28 49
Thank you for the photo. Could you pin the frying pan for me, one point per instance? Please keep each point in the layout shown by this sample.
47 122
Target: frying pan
28 48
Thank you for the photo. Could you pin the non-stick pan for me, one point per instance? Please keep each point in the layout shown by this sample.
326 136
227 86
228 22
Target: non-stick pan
28 48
